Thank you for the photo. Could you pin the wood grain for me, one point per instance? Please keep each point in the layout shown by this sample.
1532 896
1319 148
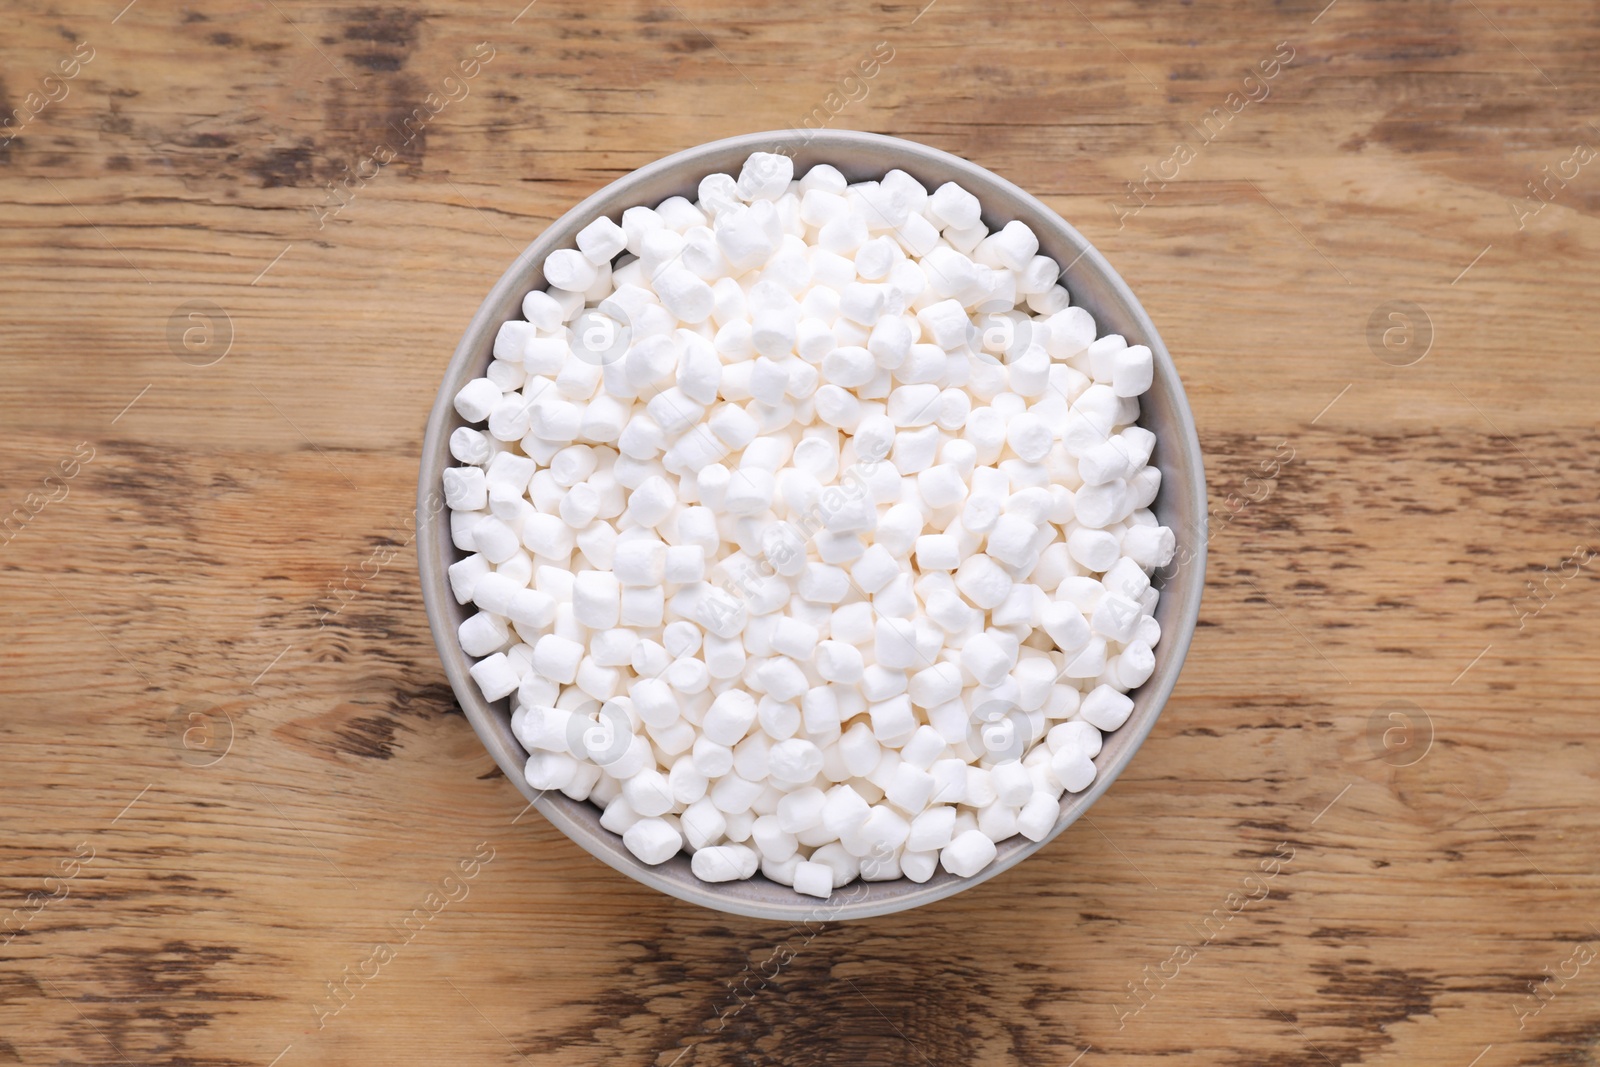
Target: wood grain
234 772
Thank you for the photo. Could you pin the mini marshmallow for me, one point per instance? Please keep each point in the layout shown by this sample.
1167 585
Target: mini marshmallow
982 581
570 270
1105 708
954 206
935 685
794 638
469 446
1029 437
729 717
875 569
967 854
1072 769
937 552
940 486
495 676
1116 617
1149 546
1134 664
650 503
822 584
1066 626
724 863
601 241
640 562
475 400
1132 371
684 564
984 658
839 662
495 538
945 323
1096 550
1011 540
557 658
596 599
747 237
652 841
465 488
848 367
765 176
813 879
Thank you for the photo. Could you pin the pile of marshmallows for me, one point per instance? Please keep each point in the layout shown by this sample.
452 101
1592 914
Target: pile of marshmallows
809 529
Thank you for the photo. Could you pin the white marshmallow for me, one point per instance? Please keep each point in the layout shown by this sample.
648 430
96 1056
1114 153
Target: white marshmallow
465 488
601 241
954 206
724 863
937 552
1149 546
569 269
813 879
968 853
945 323
475 400
1066 626
765 176
1105 708
652 841
839 662
495 676
557 658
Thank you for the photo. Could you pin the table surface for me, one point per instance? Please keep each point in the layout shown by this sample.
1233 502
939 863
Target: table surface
1364 830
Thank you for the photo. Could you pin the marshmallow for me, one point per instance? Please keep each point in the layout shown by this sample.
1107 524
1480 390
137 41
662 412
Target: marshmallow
813 879
640 562
557 658
839 662
848 367
1096 550
729 717
983 581
937 552
1134 664
652 841
747 237
935 685
495 676
724 863
967 854
945 323
1149 546
570 270
1066 626
765 176
954 207
822 584
1029 437
601 241
984 658
465 488
1105 708
475 400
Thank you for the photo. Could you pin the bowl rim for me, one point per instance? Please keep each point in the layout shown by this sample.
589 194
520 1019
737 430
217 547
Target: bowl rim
433 530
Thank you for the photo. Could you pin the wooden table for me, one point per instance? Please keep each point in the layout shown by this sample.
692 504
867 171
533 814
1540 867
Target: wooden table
1364 831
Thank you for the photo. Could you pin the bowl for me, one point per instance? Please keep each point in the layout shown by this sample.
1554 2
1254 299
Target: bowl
1093 285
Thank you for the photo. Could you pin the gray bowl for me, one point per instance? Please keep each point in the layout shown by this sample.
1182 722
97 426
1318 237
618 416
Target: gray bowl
1093 285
